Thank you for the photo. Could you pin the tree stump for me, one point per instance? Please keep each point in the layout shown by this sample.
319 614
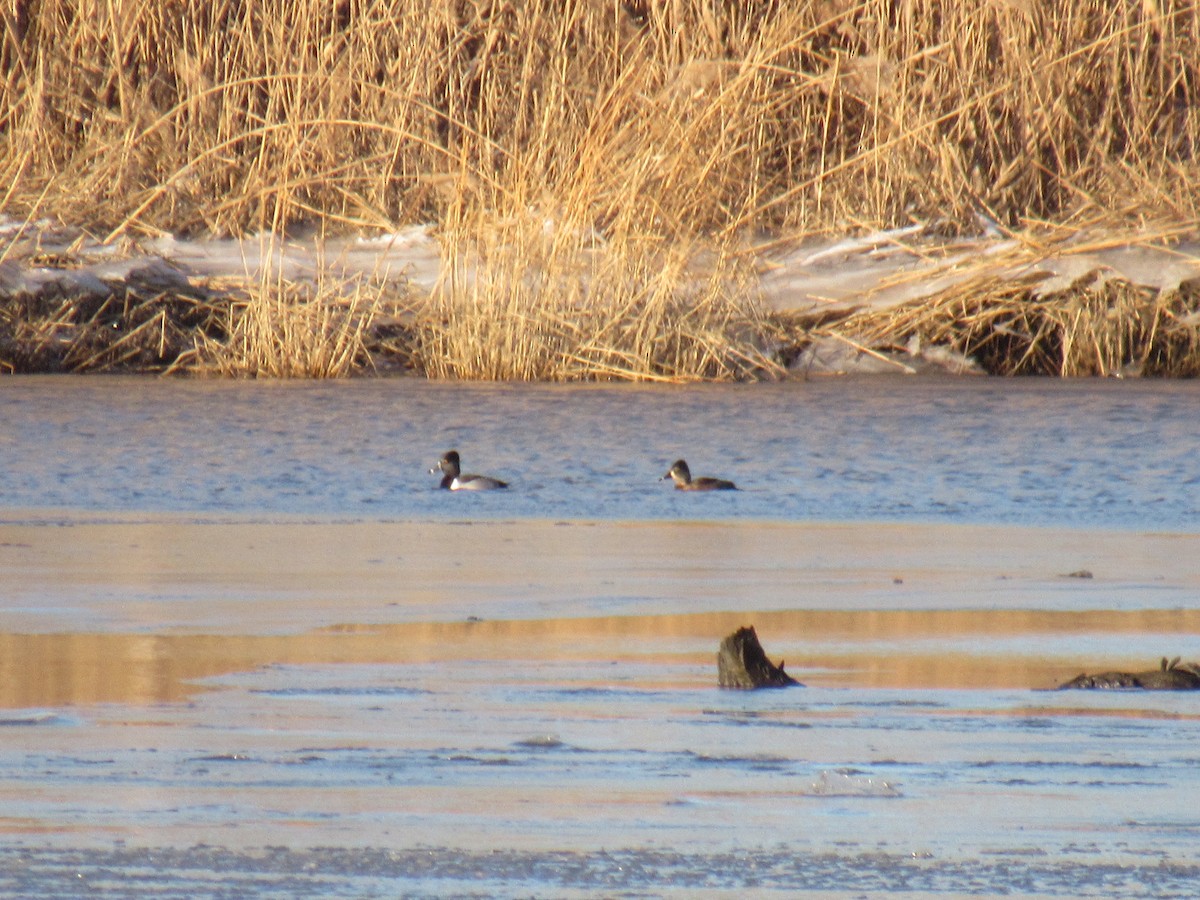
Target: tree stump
742 663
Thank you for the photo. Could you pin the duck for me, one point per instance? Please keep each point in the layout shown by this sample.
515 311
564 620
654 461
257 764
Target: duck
682 476
453 479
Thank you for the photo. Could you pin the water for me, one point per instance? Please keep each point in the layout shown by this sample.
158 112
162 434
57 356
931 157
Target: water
1097 454
247 649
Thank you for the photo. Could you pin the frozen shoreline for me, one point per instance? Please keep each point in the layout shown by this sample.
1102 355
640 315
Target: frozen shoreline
296 591
811 277
585 756
253 649
819 281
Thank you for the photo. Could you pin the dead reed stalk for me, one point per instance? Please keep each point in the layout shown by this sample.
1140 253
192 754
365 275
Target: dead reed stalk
1099 326
656 127
181 116
282 329
531 303
134 328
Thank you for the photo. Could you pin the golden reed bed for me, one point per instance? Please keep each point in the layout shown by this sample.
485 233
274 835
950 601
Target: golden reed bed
605 177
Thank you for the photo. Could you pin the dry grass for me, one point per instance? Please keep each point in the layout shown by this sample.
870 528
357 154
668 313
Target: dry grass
134 328
661 128
661 116
285 329
153 319
536 303
1100 326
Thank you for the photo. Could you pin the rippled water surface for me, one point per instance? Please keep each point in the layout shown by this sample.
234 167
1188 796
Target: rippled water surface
247 648
1094 453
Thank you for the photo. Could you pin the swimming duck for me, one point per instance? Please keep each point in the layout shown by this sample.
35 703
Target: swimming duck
682 476
454 480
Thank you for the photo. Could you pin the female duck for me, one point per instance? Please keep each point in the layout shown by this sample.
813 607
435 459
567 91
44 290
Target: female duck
682 476
454 480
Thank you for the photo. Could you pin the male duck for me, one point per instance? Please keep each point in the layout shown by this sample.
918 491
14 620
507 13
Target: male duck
454 480
682 476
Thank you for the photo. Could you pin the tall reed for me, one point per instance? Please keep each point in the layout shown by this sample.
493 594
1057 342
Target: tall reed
658 127
179 115
534 301
1099 326
285 329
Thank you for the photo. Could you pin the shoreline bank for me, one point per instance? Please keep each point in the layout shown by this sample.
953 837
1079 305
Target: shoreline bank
897 302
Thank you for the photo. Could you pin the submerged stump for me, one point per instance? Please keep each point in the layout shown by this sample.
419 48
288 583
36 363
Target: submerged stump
742 663
1169 676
